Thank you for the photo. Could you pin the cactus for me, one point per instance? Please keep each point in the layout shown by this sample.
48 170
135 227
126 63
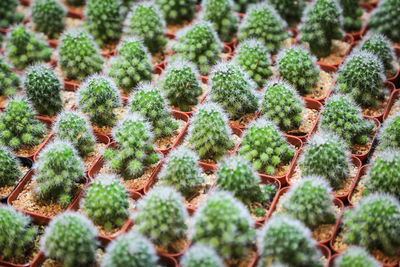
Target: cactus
351 15
264 146
71 239
161 216
78 55
98 96
24 48
381 228
18 125
389 135
135 141
176 12
17 234
209 133
287 240
48 17
182 172
385 19
254 58
343 117
199 44
42 87
8 14
180 84
362 77
151 104
103 20
282 105
201 256
233 90
9 81
243 5
9 168
73 127
106 202
321 23
291 11
262 22
146 22
131 66
356 256
131 249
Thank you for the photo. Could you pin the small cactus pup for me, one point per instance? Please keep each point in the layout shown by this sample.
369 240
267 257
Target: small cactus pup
265 147
9 168
232 88
220 14
162 217
19 112
151 104
282 105
297 66
17 233
356 256
242 5
177 12
131 66
385 19
321 23
263 23
99 97
57 173
224 224
200 255
8 13
254 58
103 20
73 127
288 241
78 55
291 11
180 84
199 44
24 48
147 22
209 134
135 141
42 87
351 13
9 81
389 134
106 202
71 239
380 231
130 249
362 77
48 17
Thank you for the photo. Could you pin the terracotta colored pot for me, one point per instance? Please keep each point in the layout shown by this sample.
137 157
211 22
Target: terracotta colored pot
232 124
390 88
369 5
348 39
363 156
358 35
361 173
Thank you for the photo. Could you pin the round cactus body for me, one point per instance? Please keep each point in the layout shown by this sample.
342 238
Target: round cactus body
9 168
8 14
200 255
351 15
9 81
356 256
385 19
389 135
48 17
176 12
289 10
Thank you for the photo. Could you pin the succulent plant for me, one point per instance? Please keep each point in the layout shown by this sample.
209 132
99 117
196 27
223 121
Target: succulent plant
264 145
9 167
381 228
76 2
71 239
356 256
243 5
131 66
351 13
321 23
98 96
135 141
9 81
282 105
42 87
385 19
199 44
103 20
233 90
151 104
18 125
130 249
78 55
8 13
16 231
147 22
161 216
362 77
287 240
48 17
73 127
176 12
200 255
24 48
180 84
389 133
263 23
289 10
254 58
342 116
209 133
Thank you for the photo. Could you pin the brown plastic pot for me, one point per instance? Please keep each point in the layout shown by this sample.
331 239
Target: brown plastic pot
361 173
363 156
348 39
390 88
392 100
369 5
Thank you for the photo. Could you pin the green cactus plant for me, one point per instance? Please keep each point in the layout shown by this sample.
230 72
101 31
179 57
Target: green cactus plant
291 11
9 167
200 255
48 17
351 13
8 14
76 2
356 256
389 133
9 81
385 19
176 12
242 5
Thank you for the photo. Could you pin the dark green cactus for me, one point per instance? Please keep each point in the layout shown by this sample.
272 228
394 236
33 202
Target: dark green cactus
48 17
76 2
176 12
389 133
385 19
351 13
289 10
8 14
243 5
9 81
9 168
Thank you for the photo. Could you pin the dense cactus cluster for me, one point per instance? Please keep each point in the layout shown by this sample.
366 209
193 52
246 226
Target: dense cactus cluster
356 256
351 15
389 135
176 12
200 255
289 10
48 17
243 5
9 167
9 81
8 14
385 20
